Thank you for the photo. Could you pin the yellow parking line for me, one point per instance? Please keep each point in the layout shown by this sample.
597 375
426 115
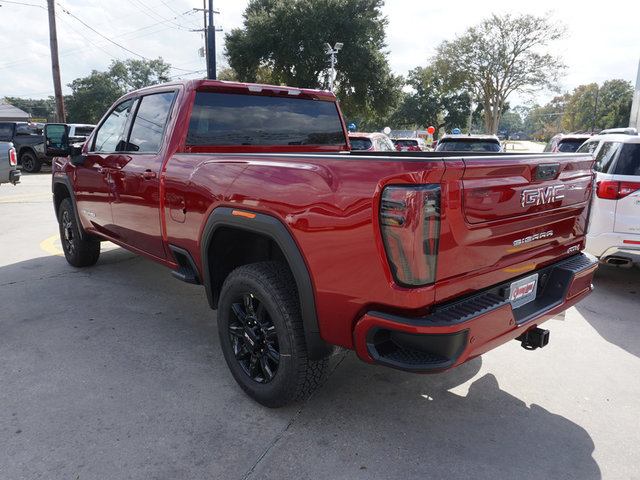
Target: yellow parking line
20 198
52 245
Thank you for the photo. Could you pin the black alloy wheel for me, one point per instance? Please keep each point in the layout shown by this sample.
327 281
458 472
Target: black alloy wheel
254 339
79 251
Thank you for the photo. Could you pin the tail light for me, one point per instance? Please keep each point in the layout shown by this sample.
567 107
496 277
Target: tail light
410 224
616 190
13 158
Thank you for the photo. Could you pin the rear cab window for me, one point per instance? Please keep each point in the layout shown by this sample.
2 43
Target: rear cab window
249 120
569 146
360 143
468 146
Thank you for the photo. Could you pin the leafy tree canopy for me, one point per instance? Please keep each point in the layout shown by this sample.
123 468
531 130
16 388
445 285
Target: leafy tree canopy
502 55
92 96
283 42
590 108
435 101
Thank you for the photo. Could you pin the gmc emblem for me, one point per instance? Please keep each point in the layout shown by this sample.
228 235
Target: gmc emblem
541 196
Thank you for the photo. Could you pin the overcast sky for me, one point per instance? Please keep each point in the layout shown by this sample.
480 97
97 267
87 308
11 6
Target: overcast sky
602 42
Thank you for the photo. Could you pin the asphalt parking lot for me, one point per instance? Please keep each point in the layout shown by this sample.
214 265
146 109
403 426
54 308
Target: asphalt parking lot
114 372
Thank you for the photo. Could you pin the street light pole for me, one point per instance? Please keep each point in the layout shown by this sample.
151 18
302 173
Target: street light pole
332 51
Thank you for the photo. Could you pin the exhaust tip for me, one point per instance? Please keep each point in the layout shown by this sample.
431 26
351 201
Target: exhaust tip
623 262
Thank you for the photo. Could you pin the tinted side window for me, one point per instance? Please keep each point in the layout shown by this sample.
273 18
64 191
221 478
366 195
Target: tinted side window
588 147
149 123
605 155
569 146
109 136
236 119
360 143
83 131
549 146
628 162
6 131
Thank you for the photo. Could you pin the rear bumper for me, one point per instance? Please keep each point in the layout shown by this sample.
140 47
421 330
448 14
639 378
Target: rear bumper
10 176
463 329
614 245
14 176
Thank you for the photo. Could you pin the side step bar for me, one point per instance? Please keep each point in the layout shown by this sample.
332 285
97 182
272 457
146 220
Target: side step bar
187 270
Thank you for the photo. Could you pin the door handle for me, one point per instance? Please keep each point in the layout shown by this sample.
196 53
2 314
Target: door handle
148 175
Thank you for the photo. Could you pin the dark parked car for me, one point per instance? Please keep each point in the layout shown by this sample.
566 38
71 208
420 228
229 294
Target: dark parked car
28 141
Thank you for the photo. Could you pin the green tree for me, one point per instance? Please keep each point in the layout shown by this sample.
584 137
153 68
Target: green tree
592 107
435 101
284 41
92 96
614 104
510 122
500 56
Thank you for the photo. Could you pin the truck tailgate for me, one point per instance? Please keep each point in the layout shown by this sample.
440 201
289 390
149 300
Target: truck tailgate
508 215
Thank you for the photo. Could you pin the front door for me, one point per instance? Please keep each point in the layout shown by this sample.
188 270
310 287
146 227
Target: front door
94 186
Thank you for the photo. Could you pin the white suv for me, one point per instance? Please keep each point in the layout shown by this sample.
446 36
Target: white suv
614 227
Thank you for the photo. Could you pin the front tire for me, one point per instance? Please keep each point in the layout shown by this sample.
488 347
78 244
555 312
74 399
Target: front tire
30 162
262 337
79 252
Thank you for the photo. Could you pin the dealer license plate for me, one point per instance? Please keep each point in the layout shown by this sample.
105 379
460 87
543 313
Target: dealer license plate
523 291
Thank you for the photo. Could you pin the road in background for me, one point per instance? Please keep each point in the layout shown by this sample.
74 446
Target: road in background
115 372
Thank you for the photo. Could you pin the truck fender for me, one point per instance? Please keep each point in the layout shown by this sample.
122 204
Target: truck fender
274 229
61 187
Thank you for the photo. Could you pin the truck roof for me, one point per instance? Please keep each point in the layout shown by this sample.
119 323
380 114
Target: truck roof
240 87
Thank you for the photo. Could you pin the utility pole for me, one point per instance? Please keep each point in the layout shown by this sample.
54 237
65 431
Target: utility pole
634 120
211 45
55 63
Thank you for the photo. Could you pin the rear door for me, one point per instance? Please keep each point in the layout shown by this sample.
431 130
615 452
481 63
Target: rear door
136 176
510 214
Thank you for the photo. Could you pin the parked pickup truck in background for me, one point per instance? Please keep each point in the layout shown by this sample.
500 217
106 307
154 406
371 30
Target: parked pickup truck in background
28 141
418 261
9 172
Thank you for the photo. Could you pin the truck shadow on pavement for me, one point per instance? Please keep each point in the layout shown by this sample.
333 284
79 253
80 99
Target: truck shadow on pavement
613 307
401 425
114 371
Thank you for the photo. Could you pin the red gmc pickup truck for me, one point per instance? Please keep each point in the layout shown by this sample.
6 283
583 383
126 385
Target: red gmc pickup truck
418 261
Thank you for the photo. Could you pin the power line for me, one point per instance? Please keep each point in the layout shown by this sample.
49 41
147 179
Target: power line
98 33
25 4
107 38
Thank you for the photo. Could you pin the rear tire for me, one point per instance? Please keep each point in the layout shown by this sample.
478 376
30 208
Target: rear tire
30 162
79 252
262 337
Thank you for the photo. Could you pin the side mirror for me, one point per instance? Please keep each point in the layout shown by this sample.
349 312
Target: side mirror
56 137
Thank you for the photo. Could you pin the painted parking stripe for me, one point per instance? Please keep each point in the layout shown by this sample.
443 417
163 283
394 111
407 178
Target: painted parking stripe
53 245
22 198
